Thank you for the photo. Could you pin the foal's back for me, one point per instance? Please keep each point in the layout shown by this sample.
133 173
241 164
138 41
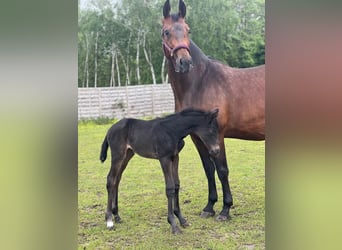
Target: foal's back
134 134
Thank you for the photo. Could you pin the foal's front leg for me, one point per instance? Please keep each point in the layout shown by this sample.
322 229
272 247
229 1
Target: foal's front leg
166 164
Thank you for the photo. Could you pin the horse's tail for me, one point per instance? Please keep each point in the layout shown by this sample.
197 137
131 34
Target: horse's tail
103 155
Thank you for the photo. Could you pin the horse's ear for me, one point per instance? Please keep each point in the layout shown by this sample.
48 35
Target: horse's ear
182 9
214 113
166 9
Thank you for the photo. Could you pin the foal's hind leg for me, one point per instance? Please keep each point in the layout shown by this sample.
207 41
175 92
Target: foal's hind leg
176 208
115 208
166 164
112 184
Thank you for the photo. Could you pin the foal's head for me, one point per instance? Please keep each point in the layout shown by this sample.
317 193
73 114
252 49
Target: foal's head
208 132
175 38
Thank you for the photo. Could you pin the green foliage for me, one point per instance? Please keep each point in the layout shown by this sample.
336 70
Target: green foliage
143 204
231 31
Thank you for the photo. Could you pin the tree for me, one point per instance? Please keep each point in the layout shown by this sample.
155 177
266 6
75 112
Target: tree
119 41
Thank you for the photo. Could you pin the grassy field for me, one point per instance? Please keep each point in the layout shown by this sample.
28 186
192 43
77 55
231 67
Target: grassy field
143 205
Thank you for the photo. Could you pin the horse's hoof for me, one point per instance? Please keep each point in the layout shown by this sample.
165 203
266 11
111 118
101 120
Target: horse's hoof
185 224
221 217
205 214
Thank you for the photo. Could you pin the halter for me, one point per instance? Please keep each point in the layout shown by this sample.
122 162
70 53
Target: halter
171 51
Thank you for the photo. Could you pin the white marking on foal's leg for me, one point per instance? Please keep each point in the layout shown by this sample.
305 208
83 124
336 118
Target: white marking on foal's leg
110 224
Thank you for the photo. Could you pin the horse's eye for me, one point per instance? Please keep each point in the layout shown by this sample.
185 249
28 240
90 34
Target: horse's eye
166 32
189 32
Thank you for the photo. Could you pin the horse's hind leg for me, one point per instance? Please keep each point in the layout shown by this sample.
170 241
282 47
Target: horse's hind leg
115 208
176 208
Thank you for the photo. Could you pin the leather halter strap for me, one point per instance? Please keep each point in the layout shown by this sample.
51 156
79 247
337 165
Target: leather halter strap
171 51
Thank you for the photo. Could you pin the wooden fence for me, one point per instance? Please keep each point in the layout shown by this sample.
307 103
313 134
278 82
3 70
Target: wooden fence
131 101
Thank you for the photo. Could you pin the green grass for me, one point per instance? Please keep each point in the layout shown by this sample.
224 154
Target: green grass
143 205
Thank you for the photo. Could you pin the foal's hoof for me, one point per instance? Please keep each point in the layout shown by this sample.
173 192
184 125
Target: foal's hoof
221 217
176 230
205 214
117 219
110 225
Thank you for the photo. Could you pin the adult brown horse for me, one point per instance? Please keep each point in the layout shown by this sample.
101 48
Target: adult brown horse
200 82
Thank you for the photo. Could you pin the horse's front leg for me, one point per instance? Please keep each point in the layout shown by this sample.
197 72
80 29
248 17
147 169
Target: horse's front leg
222 172
166 164
209 169
176 209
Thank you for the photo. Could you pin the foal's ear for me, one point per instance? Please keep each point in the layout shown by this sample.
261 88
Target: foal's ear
166 9
182 9
214 113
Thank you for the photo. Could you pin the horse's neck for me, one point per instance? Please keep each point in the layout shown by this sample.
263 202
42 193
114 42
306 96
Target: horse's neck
197 55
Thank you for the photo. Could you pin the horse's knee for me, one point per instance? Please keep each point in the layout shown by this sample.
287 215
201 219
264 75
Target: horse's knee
108 186
109 182
170 192
222 171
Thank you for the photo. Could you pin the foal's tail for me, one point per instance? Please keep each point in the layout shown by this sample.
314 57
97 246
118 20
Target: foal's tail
103 155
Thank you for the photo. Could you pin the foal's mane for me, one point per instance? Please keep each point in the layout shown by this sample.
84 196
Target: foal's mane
191 111
185 112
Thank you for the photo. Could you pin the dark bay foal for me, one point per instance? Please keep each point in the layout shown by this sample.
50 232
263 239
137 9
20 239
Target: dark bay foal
161 139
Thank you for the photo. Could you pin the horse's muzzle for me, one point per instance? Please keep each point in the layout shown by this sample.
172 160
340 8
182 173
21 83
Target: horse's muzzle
183 65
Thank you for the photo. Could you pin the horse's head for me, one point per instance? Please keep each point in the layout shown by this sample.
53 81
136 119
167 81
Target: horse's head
175 38
208 132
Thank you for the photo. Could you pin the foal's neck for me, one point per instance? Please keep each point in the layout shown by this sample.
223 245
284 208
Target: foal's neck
183 125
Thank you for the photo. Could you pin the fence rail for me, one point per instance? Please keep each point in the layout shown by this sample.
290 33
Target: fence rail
131 101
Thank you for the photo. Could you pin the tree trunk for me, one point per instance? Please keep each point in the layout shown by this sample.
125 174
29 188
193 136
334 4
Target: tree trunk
117 68
127 82
86 70
165 78
148 60
137 58
128 79
112 74
95 58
